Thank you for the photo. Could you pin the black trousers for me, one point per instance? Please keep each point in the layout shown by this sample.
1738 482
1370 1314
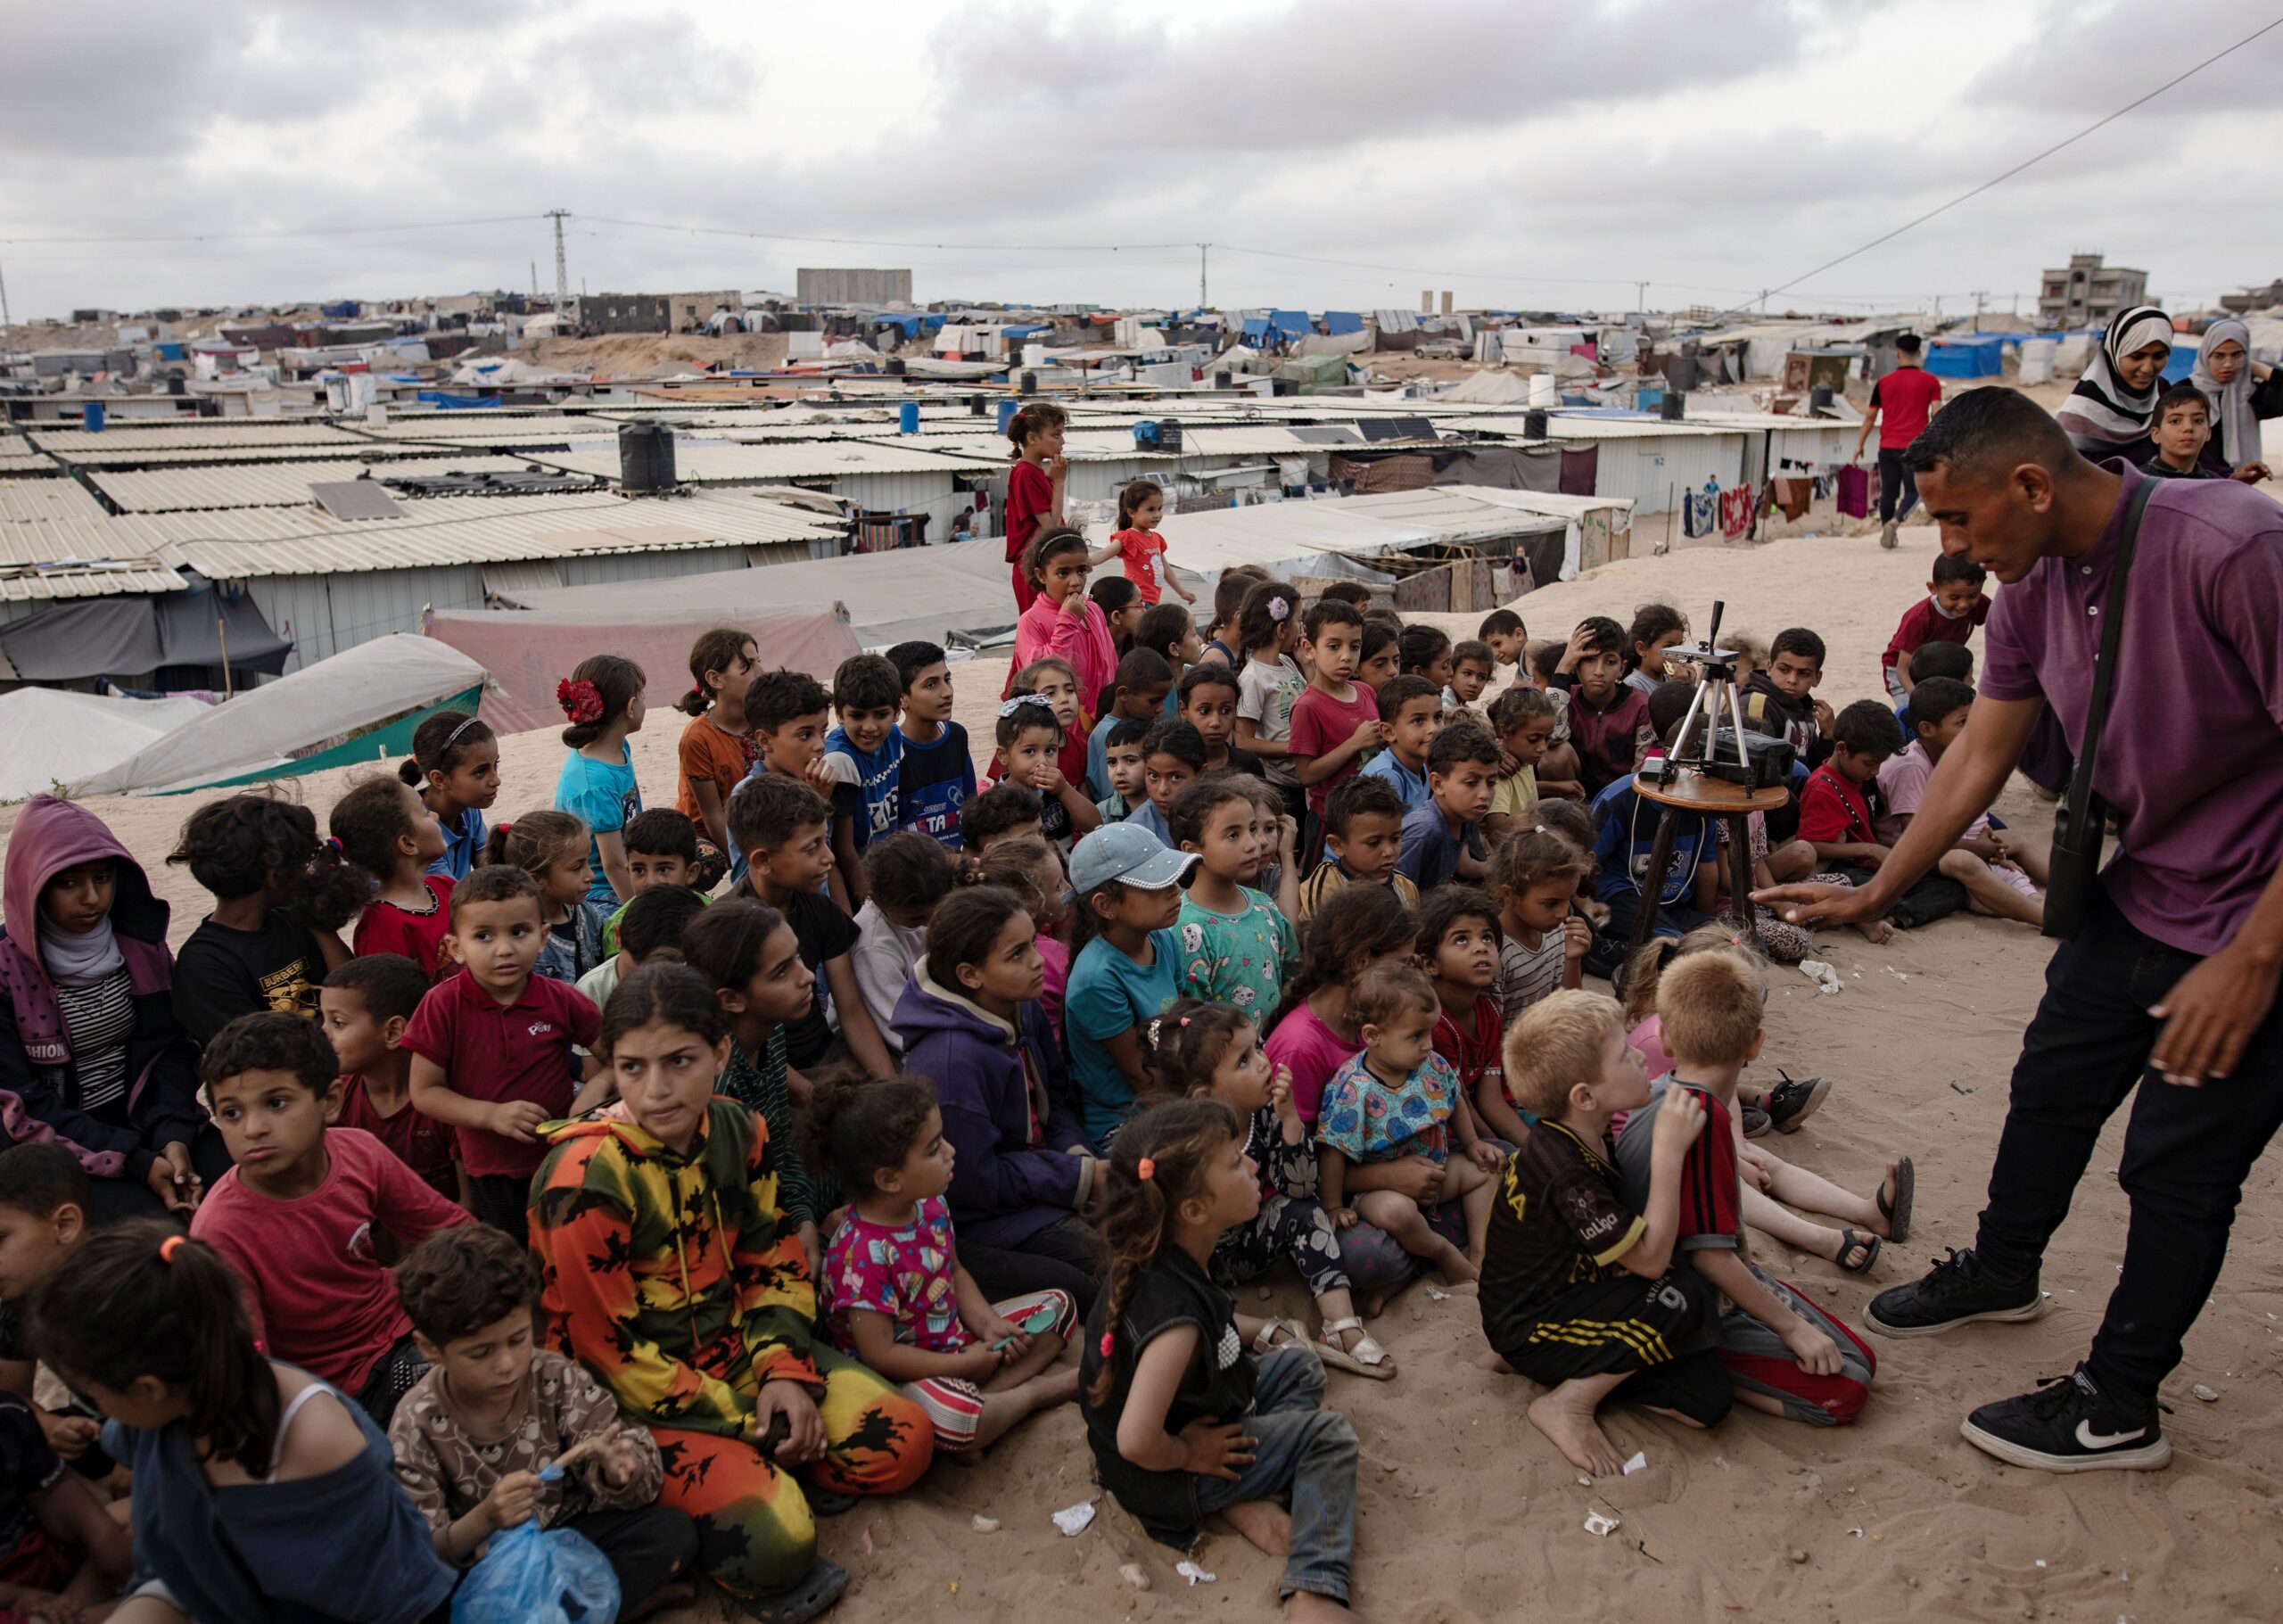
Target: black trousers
502 1200
2185 1149
1066 1255
649 1548
1896 481
110 1200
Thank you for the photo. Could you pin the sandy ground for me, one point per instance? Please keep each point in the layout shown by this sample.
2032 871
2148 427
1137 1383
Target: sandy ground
1466 1513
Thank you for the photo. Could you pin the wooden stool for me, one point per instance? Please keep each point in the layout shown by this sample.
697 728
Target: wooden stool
1691 791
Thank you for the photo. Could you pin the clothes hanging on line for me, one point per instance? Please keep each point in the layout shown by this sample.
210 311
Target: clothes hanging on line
1699 510
1735 512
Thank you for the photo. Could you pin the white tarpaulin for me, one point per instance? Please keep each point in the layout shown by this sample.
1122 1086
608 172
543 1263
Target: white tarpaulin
52 736
332 700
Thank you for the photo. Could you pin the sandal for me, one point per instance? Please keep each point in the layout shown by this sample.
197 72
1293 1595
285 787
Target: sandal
1367 1358
811 1598
1897 1212
1849 1240
1264 1342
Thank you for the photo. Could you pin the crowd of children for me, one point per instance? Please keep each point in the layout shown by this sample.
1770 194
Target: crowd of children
672 1176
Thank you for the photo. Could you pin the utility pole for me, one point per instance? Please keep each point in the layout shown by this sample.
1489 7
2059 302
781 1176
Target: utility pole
1641 297
534 280
562 273
5 322
1978 297
1202 301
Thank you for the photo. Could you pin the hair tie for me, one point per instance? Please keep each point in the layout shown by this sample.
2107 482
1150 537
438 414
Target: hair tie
1157 1029
332 844
1184 1020
453 737
1109 1342
1012 705
169 1247
581 700
503 829
1280 609
1145 1169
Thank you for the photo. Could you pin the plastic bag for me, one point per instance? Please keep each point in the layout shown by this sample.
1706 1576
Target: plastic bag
532 1577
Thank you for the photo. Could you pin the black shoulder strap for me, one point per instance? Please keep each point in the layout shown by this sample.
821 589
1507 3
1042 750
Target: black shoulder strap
2081 782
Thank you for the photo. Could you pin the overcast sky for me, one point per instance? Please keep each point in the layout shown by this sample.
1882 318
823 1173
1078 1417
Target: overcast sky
1518 152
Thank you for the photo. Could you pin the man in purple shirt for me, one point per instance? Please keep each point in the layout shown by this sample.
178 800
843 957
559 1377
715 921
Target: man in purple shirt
2170 985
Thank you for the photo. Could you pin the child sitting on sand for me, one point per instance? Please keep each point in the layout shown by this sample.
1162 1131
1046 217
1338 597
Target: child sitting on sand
1182 1421
1580 1291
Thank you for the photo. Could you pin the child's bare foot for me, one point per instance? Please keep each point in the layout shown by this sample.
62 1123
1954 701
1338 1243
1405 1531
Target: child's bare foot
1306 1604
1875 931
1057 1387
1371 1305
1264 1524
1455 1264
1496 1364
1568 1425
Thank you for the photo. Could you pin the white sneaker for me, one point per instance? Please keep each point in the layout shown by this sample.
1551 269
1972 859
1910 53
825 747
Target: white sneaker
1886 535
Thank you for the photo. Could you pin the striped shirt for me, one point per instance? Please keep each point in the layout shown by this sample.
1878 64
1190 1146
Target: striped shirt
1330 879
100 1017
1526 975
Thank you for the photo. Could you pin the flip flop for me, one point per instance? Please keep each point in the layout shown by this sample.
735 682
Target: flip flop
1849 1240
811 1598
1897 1212
1367 1358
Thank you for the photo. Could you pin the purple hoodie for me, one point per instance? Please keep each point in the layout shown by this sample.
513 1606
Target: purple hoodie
38 1082
992 1079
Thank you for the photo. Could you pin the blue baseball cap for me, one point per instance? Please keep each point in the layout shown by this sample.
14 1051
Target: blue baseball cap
1129 853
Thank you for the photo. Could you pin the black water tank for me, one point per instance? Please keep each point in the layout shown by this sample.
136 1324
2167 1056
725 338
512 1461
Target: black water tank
1030 383
1676 406
1680 373
1223 378
975 408
1819 398
1534 425
646 457
894 368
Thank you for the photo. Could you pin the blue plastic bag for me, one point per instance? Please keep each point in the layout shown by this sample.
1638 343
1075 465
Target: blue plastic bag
532 1577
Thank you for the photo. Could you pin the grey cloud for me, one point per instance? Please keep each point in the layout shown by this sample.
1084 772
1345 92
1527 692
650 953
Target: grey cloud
2093 62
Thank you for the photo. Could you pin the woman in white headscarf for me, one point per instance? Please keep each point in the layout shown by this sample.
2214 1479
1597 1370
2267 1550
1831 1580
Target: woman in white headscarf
2114 406
2242 392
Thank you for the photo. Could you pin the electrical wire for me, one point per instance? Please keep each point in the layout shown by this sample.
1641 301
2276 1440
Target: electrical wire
314 231
788 236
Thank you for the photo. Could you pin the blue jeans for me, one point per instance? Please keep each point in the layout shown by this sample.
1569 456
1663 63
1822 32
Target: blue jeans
1307 1452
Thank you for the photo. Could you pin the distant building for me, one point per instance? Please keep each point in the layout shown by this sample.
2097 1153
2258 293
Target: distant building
855 286
2253 298
2085 293
612 313
691 312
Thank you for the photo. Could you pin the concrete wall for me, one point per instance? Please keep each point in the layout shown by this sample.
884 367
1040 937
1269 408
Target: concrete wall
855 286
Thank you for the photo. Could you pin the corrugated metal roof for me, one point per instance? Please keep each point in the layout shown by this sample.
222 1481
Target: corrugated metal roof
32 501
238 543
197 432
475 427
348 447
280 484
705 461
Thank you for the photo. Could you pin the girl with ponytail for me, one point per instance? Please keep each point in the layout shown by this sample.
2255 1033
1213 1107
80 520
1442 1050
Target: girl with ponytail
603 698
1182 1421
718 748
1034 488
147 1321
455 765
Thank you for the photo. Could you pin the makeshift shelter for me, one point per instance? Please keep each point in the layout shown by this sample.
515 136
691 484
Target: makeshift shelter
361 705
52 736
137 635
1979 356
528 651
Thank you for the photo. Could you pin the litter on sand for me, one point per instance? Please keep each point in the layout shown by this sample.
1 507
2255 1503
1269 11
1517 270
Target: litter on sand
2205 1393
980 1524
1958 1087
1826 979
1195 1575
1639 1463
1440 1296
1599 1526
1072 1519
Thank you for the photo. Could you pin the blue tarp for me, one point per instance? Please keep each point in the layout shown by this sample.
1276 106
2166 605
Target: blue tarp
1967 358
1337 322
1255 326
438 398
2180 362
340 309
1293 323
169 349
1016 329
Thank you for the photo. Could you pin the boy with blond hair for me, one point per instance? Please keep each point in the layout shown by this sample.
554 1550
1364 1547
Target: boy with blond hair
1579 1289
1783 1354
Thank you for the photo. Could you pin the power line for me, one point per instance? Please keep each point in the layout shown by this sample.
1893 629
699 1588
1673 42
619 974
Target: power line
2027 163
789 237
314 231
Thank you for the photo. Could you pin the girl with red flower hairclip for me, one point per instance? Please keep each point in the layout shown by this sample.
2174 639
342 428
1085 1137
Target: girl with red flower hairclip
603 701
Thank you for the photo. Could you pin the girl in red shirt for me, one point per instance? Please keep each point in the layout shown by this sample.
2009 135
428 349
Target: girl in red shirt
1034 489
1139 506
383 827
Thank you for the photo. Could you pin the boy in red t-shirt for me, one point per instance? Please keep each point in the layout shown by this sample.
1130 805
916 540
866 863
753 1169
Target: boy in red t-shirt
1900 403
1334 719
306 1216
492 1046
1837 814
1784 1355
1607 714
1951 610
364 1007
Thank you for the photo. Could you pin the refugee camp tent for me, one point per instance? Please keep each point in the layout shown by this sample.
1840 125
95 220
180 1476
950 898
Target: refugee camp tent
360 706
128 635
1979 356
528 651
52 736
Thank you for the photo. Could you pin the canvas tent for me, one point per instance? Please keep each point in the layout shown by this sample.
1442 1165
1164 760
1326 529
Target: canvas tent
360 706
51 736
528 651
134 634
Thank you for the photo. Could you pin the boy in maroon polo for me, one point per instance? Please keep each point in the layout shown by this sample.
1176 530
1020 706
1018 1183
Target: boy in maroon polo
491 1045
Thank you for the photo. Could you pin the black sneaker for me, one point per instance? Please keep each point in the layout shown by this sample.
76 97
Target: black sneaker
2070 1425
1957 1289
1790 1104
1757 1122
